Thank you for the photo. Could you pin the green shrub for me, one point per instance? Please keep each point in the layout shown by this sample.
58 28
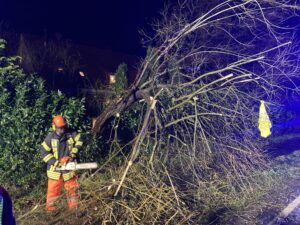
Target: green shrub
121 80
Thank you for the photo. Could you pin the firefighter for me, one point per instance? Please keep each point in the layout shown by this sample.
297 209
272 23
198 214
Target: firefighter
6 208
60 147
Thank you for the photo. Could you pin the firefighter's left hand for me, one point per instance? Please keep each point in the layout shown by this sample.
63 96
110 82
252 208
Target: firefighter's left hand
74 160
63 161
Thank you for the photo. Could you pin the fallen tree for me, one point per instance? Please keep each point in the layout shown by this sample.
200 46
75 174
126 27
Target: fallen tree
208 72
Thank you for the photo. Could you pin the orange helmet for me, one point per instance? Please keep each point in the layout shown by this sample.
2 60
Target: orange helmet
59 121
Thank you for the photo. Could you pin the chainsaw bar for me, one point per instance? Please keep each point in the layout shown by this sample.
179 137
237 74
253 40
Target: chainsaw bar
78 166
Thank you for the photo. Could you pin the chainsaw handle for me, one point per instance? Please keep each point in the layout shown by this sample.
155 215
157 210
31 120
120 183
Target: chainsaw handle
67 167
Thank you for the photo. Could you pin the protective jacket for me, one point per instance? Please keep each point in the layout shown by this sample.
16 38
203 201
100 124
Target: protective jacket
55 147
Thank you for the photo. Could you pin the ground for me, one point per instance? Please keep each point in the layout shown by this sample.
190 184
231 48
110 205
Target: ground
287 160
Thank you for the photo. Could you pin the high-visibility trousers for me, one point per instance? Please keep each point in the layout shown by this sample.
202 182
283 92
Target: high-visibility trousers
54 192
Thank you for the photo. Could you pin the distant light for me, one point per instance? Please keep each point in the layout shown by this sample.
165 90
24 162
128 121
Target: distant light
112 79
60 69
82 74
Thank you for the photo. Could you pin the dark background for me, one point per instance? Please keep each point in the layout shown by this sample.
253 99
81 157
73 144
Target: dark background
108 24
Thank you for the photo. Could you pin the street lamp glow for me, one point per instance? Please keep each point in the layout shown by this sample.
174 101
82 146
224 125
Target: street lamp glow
112 79
82 74
60 69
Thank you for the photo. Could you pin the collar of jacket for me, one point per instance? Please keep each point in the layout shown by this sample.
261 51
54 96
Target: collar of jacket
64 137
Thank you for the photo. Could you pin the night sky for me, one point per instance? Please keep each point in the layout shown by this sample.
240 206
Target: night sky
110 24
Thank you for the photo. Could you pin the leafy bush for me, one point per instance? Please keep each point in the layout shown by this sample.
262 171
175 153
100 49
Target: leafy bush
121 80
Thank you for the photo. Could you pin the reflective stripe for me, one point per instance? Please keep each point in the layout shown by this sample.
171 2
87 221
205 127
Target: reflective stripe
50 203
70 140
55 164
54 143
70 143
53 167
74 150
77 137
79 143
68 176
72 199
52 198
54 147
53 175
46 147
48 157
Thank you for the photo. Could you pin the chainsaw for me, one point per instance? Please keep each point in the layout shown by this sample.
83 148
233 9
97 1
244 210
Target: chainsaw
77 166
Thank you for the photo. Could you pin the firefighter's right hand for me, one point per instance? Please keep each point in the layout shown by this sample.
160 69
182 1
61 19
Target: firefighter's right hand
64 160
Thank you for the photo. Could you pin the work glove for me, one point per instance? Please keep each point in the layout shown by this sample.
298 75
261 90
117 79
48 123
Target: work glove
64 160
